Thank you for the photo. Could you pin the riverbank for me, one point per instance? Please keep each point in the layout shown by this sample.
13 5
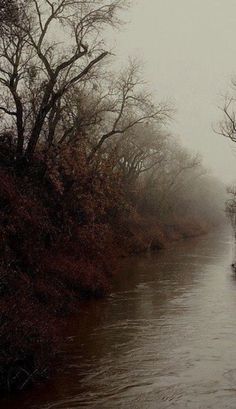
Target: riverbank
146 345
60 243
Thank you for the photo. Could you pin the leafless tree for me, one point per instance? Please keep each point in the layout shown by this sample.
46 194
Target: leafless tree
109 109
127 105
52 47
139 150
168 180
227 126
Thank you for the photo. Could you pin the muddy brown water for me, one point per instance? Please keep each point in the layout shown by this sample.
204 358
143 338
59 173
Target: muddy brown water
165 338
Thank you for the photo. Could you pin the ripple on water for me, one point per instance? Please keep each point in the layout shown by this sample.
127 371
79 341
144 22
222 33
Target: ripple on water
165 338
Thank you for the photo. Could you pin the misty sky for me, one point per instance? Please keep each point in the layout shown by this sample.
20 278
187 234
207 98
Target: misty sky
189 53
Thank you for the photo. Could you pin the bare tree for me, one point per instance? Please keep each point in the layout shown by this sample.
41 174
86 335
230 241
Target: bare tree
139 150
108 109
53 46
127 105
227 126
168 181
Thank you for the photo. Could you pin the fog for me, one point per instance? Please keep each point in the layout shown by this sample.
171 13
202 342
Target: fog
188 51
95 169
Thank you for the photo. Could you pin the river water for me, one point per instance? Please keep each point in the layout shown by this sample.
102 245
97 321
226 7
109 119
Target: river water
165 338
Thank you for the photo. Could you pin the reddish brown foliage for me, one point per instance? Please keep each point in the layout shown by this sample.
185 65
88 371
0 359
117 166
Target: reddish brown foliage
63 225
57 246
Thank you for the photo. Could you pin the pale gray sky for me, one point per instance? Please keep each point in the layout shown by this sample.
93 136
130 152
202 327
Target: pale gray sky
189 53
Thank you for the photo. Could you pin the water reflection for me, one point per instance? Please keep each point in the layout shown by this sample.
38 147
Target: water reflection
165 338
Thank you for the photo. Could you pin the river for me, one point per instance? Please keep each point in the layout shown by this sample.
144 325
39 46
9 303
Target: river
165 338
